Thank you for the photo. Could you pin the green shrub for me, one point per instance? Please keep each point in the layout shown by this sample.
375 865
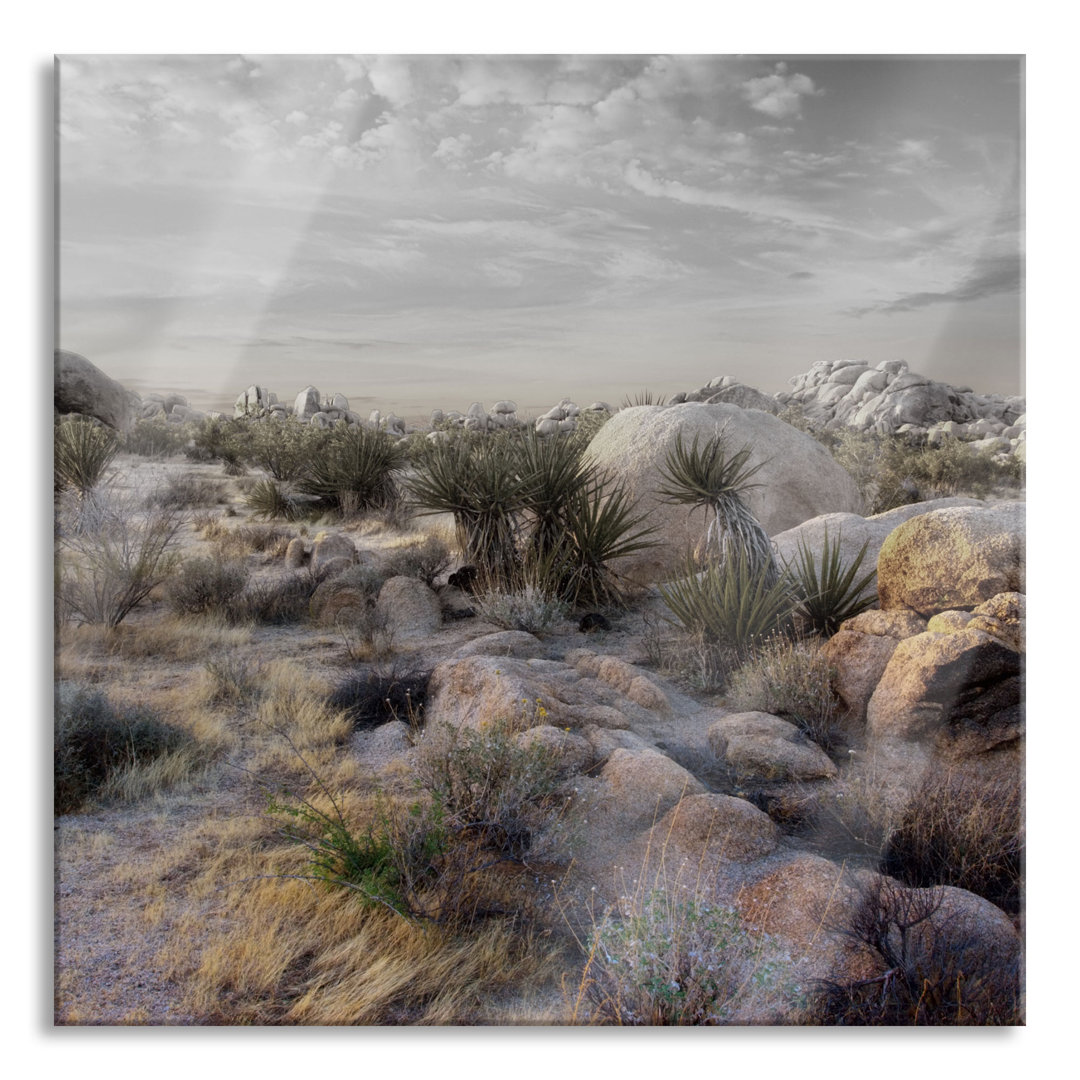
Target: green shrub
829 594
283 448
791 680
731 603
355 467
155 439
680 960
503 791
82 450
94 740
206 585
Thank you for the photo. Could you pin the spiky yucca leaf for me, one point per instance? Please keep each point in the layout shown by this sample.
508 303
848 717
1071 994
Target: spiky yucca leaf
83 450
357 465
712 478
267 500
732 602
829 593
602 525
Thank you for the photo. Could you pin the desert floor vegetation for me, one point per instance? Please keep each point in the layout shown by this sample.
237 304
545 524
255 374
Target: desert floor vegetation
254 799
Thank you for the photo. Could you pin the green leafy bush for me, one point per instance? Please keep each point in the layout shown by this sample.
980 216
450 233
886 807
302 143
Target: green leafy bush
82 450
500 789
93 740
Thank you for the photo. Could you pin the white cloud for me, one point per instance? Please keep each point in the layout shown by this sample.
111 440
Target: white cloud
778 95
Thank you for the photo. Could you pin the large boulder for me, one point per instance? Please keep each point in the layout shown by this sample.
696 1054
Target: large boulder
954 558
851 531
860 651
960 692
798 478
81 387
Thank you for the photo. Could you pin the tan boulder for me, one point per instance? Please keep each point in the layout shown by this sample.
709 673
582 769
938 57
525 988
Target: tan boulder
573 752
799 479
851 531
761 746
716 827
410 607
328 547
860 651
960 690
517 643
644 784
953 559
81 387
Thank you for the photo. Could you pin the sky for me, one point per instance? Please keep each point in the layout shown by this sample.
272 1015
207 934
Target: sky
421 231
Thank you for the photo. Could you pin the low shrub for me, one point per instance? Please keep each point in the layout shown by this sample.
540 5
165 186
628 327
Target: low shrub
494 787
382 695
345 594
155 439
425 559
94 740
965 833
278 602
185 492
529 608
791 680
203 585
935 974
679 960
112 560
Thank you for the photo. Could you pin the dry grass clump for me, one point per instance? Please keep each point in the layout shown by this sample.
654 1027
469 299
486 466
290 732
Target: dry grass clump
202 586
300 954
183 491
962 832
792 680
237 541
103 751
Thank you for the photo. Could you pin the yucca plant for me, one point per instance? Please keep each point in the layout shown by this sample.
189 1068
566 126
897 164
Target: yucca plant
480 483
733 602
829 592
555 475
83 450
267 500
715 479
601 526
356 466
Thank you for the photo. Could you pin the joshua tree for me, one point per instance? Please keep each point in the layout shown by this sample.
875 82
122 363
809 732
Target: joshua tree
710 477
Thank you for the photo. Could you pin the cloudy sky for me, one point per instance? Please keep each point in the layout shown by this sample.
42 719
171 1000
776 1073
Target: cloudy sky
429 230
